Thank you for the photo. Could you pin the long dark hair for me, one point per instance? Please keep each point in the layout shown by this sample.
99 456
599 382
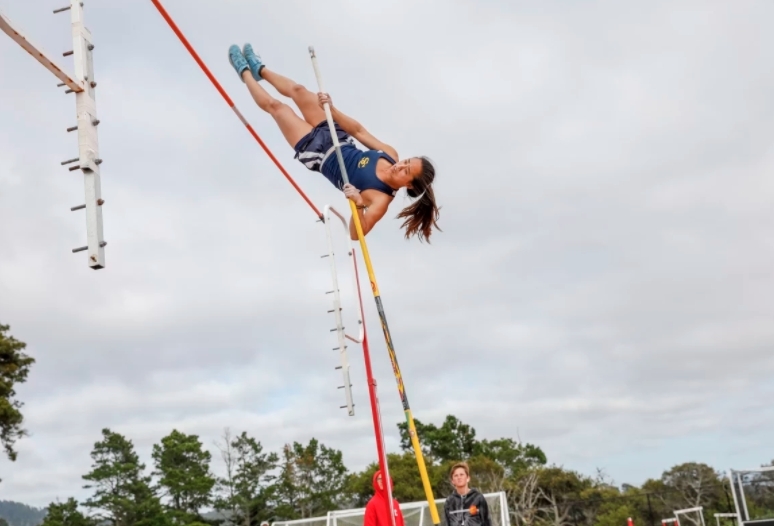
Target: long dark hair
421 216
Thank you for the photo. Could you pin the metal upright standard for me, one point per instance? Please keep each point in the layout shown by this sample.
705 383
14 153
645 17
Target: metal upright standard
82 84
337 306
383 318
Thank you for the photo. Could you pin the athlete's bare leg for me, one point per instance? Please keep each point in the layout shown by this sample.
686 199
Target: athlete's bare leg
304 99
291 125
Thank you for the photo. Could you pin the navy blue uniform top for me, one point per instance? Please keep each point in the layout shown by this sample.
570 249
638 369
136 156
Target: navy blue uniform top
361 168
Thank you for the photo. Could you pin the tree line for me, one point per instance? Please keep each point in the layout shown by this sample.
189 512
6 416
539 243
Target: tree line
308 480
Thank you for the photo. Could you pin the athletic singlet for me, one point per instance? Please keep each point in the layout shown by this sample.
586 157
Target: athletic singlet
361 168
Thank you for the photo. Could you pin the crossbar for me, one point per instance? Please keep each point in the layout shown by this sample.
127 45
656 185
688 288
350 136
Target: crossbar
38 54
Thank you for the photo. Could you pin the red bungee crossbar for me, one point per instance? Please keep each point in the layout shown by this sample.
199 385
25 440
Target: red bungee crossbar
230 102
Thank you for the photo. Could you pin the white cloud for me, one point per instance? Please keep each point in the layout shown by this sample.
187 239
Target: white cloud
601 287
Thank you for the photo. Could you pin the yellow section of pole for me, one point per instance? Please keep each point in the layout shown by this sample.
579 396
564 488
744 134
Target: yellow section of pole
422 468
382 317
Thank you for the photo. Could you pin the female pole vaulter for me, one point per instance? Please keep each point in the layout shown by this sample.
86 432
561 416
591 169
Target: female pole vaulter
375 174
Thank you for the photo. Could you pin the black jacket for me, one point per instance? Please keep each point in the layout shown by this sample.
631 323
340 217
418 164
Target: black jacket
470 509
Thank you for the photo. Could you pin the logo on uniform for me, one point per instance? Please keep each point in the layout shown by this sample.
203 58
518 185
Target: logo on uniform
363 162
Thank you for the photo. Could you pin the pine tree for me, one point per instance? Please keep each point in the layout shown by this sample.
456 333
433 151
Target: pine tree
183 471
123 495
66 514
245 490
14 368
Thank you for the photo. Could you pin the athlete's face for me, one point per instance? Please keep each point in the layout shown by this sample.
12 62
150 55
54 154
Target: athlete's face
407 170
460 479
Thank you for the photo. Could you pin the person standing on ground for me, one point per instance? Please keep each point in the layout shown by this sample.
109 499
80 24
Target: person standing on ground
465 506
377 512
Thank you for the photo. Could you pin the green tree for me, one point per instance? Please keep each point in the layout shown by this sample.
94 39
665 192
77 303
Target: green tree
311 481
548 495
514 457
183 470
695 481
454 440
694 484
601 500
14 369
123 495
617 514
759 493
406 480
3 522
497 465
245 491
66 514
486 475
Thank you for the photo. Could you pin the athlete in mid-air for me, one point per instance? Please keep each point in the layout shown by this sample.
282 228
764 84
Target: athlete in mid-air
375 175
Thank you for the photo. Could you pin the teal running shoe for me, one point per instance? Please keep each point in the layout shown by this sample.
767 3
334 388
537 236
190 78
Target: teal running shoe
253 60
237 60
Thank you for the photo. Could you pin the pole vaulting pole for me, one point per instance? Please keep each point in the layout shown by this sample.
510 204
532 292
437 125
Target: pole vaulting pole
383 318
230 103
376 412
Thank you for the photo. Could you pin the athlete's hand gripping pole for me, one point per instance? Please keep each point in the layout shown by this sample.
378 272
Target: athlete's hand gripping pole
383 318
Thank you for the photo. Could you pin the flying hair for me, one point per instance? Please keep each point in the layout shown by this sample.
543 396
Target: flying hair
422 215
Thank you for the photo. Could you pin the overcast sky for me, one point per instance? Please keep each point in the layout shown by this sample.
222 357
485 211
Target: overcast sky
602 287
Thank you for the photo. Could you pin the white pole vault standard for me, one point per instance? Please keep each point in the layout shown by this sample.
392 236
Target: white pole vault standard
743 516
88 145
82 83
337 307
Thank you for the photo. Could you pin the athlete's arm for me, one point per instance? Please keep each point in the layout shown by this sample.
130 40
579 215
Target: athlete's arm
368 218
357 130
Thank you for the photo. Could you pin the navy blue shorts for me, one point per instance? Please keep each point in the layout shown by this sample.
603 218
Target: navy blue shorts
317 145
